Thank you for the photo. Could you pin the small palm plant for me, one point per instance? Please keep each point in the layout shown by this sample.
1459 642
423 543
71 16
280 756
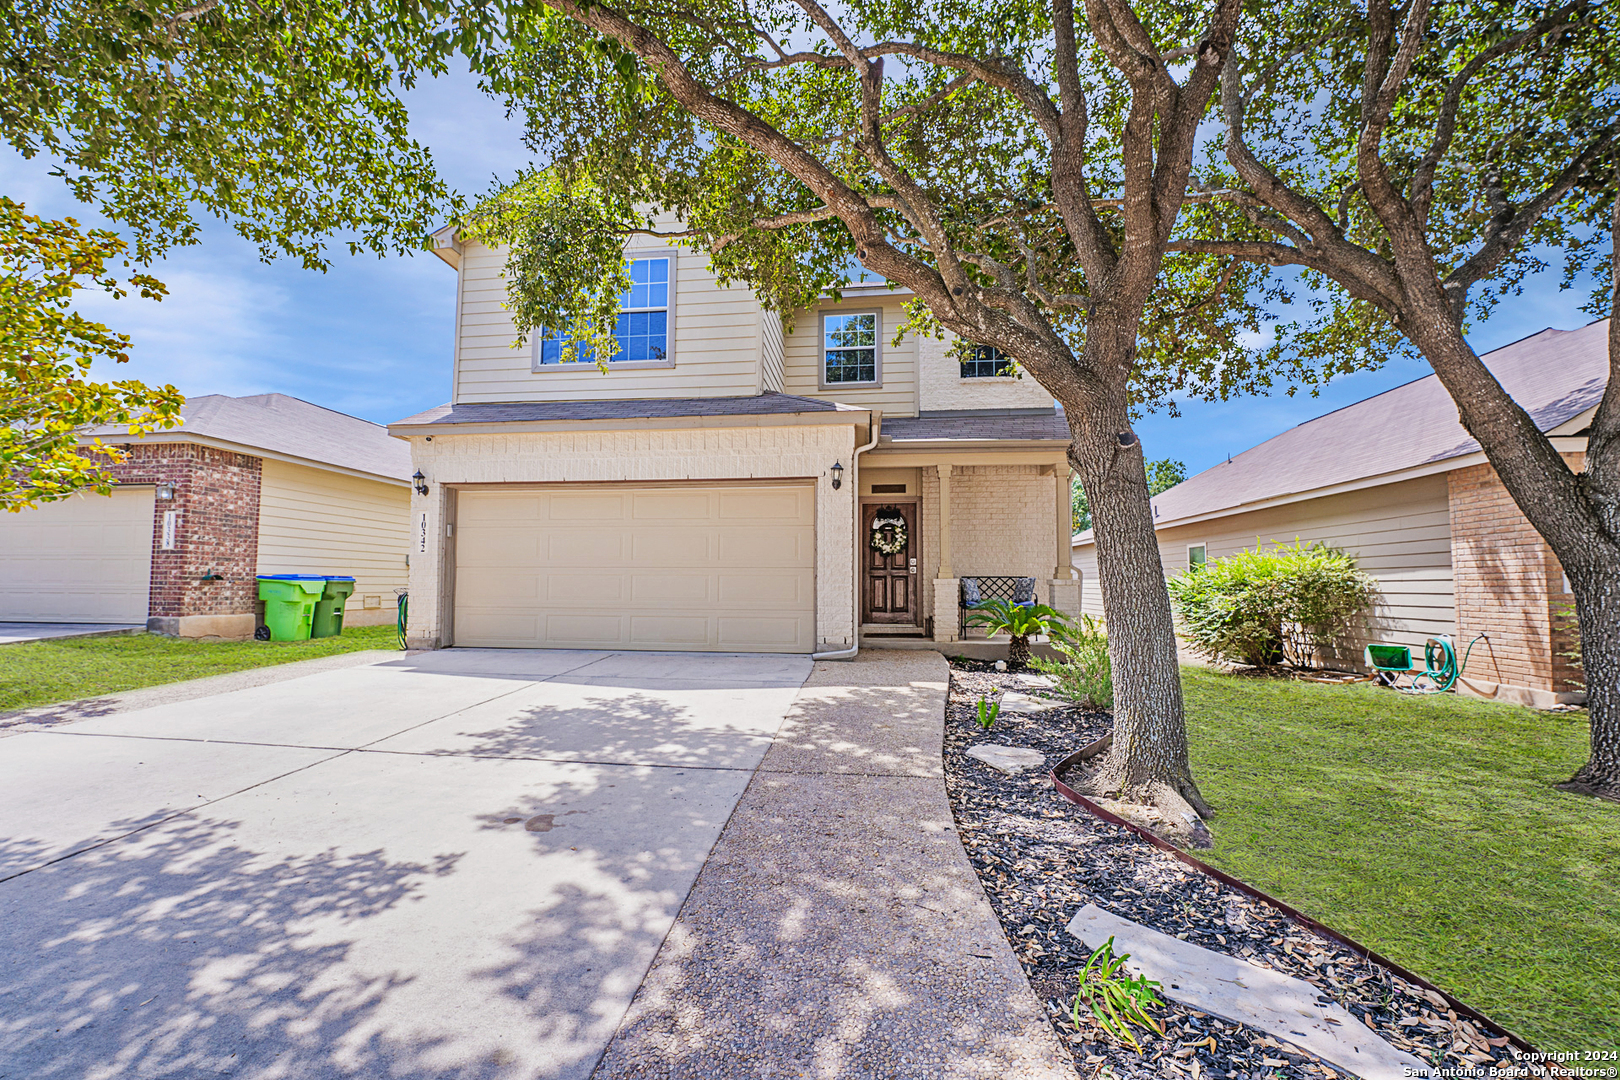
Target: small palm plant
1019 621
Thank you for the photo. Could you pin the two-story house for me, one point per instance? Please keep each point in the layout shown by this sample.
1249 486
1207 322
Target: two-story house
729 484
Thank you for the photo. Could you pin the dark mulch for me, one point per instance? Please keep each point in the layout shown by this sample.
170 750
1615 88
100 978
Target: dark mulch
1041 858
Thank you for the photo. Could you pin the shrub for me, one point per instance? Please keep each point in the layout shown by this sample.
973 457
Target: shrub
1084 674
1020 621
1268 607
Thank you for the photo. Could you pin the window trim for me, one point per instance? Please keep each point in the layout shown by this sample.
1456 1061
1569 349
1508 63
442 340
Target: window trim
1205 546
573 366
821 348
961 377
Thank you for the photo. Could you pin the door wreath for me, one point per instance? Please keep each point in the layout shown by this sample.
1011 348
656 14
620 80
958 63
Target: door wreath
888 535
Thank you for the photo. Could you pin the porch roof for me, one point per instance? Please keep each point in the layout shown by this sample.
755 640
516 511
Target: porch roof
980 425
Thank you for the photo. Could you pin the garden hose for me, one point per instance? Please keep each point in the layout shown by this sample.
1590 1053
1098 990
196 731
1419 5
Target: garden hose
403 603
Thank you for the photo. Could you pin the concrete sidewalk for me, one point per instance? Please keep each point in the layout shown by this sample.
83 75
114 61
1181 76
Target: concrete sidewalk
837 929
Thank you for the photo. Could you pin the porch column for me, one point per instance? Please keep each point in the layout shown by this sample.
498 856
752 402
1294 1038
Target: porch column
1065 584
946 614
1065 521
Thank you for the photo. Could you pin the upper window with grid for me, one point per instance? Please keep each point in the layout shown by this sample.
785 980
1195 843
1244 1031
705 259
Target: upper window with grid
642 329
850 343
985 362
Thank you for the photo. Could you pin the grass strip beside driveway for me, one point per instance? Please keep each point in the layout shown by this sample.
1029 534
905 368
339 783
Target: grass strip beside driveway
47 672
1426 828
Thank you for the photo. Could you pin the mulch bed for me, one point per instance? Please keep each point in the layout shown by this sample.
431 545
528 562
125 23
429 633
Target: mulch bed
1041 858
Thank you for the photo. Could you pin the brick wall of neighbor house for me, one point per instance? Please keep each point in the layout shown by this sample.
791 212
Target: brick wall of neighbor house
1509 585
216 501
1001 523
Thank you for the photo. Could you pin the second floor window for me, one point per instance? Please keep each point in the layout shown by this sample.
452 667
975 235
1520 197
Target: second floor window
850 347
643 326
985 362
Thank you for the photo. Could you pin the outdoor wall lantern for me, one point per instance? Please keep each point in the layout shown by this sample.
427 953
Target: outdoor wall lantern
420 483
165 492
837 475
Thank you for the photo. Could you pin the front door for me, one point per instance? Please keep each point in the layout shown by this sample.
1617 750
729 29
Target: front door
888 536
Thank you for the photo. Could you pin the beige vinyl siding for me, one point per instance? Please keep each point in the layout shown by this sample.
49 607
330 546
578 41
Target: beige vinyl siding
1400 533
770 351
897 396
312 521
716 341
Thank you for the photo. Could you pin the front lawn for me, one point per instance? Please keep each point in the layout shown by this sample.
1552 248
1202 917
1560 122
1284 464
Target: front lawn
45 672
1427 829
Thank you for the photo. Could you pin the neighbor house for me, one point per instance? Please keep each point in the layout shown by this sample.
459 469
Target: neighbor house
720 485
1398 482
245 486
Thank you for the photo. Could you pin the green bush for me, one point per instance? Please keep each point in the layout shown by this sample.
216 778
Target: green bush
1019 621
1265 607
1084 674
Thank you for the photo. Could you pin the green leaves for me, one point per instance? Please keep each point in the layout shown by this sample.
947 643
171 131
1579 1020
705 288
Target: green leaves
282 118
1261 607
1020 620
1116 1001
46 349
988 713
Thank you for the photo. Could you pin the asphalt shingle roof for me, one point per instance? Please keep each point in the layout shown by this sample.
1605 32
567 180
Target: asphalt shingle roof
1019 425
1555 375
498 412
290 426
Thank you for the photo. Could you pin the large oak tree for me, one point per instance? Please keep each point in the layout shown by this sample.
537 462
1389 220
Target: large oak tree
1422 160
1019 168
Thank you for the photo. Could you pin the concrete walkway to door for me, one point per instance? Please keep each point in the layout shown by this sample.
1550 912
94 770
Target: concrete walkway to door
445 865
838 930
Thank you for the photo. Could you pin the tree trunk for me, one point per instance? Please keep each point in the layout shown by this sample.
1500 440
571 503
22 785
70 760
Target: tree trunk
1018 651
1147 761
1575 515
1597 607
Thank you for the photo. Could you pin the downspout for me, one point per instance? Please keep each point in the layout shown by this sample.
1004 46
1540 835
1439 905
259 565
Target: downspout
855 556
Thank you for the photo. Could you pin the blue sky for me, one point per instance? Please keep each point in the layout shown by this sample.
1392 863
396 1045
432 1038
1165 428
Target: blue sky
372 337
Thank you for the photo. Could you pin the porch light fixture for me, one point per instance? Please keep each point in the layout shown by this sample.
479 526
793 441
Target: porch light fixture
420 483
165 492
837 475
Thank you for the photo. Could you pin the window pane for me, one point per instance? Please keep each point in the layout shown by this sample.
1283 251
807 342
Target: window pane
985 362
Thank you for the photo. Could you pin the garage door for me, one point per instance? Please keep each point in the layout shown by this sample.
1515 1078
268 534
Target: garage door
84 559
721 568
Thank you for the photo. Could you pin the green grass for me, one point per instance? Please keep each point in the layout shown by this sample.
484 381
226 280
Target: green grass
1427 829
45 672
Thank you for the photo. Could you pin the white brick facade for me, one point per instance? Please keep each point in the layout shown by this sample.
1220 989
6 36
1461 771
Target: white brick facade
708 454
941 387
1001 524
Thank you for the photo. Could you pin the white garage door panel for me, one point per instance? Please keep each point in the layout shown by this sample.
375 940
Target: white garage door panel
727 568
84 559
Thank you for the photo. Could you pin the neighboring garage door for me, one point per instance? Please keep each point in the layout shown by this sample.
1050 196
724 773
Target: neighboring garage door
84 559
710 567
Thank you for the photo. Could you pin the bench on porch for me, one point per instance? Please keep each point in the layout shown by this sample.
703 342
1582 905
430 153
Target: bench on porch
975 591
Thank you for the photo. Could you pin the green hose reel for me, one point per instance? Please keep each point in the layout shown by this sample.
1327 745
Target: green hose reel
1392 665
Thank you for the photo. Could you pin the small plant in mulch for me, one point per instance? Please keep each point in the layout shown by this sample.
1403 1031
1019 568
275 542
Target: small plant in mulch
988 712
1117 999
1040 858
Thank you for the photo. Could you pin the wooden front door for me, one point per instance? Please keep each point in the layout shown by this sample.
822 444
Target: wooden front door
891 578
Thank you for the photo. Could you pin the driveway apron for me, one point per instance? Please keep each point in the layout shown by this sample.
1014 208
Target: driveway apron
454 864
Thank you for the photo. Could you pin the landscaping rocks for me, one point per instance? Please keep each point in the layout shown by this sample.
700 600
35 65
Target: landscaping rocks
1025 705
1040 858
1009 759
1241 992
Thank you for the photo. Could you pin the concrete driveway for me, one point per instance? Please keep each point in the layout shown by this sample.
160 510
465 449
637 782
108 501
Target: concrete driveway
454 864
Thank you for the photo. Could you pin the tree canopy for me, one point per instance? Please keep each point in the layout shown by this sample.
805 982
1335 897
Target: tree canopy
46 399
282 118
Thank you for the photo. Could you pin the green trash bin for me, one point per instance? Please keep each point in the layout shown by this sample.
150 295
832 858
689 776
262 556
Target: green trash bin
328 621
289 604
